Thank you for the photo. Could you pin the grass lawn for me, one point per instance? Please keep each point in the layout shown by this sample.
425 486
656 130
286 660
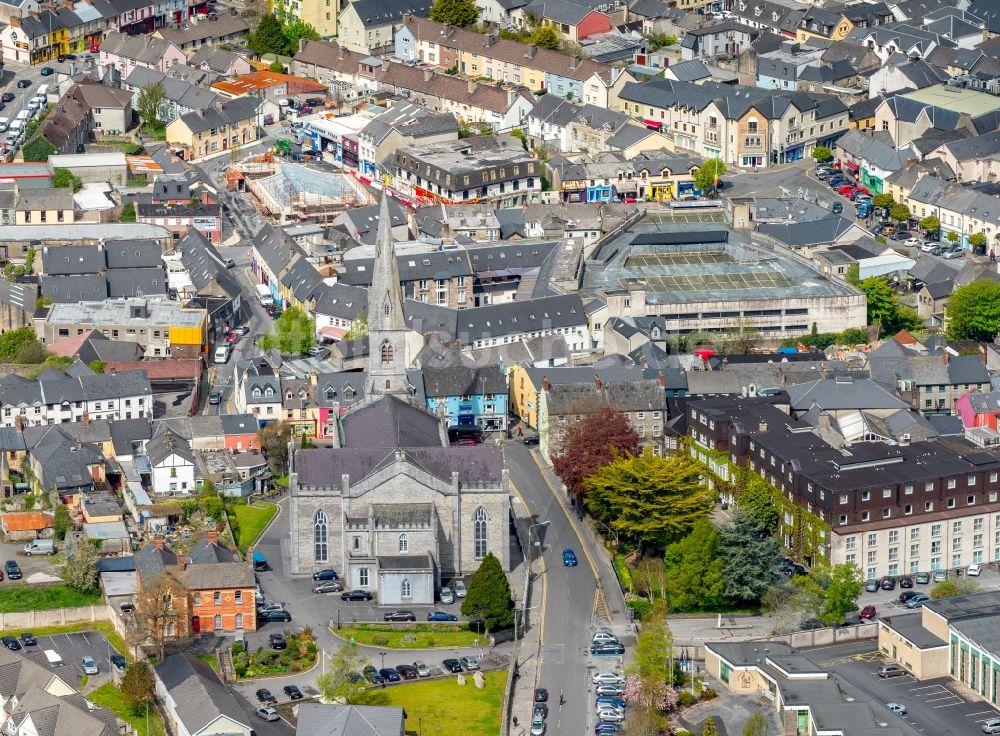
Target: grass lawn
19 598
211 660
104 627
443 708
250 522
107 696
424 635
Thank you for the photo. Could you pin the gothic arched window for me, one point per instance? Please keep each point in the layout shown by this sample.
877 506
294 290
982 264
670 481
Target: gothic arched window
480 519
320 546
386 351
405 589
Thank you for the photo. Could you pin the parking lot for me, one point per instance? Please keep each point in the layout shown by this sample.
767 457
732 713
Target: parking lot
28 565
933 706
72 648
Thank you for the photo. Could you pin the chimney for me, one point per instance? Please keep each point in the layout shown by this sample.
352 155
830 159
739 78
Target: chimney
824 419
472 86
181 563
428 75
662 378
597 382
489 40
302 45
340 53
313 379
86 419
212 536
574 62
546 386
947 356
762 426
532 50
158 541
406 19
15 22
19 423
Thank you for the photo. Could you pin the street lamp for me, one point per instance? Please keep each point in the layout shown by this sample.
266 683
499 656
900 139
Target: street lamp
382 654
610 530
528 551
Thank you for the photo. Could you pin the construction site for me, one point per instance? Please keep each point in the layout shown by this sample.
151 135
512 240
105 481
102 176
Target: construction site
286 192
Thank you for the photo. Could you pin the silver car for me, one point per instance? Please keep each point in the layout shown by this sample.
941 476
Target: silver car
537 726
447 596
89 666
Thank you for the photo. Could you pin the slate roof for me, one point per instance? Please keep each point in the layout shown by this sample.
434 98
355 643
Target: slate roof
464 381
374 13
198 692
166 443
640 395
316 719
69 715
204 265
842 393
389 423
476 466
219 114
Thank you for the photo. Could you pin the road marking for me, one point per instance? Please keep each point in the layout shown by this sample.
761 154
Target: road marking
943 697
981 713
926 687
949 705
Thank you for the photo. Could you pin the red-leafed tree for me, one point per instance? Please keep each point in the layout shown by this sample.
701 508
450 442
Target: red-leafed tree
601 434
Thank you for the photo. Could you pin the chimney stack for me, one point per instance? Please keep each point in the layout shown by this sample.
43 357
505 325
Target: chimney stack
19 423
546 386
428 75
762 426
158 541
662 378
212 537
597 382
472 86
181 563
340 52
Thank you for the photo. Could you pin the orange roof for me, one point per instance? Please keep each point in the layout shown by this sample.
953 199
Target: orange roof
26 521
160 369
143 165
256 81
70 346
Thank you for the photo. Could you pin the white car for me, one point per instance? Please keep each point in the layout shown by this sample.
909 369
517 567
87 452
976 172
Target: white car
459 587
89 666
974 571
928 246
610 715
537 726
267 713
604 637
608 678
422 669
447 597
899 710
912 242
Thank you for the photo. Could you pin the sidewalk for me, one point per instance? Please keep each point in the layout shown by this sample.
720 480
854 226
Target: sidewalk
526 672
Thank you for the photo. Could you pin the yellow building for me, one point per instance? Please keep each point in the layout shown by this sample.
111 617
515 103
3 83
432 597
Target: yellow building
43 206
223 126
524 393
822 24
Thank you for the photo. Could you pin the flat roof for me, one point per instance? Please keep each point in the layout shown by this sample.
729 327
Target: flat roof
958 99
908 626
82 160
161 312
86 231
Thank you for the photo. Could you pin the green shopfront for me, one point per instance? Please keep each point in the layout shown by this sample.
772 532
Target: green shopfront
871 180
974 666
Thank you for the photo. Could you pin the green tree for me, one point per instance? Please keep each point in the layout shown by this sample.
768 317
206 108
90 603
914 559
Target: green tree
709 729
808 592
883 201
31 353
756 725
953 588
61 521
658 41
294 333
277 67
695 576
930 225
652 647
97 366
977 240
138 686
340 682
953 237
751 559
38 149
881 298
853 275
267 37
460 13
755 502
822 154
546 37
12 340
128 213
274 438
64 178
488 596
842 593
708 175
80 571
973 312
294 31
899 212
588 445
359 326
150 105
741 338
649 499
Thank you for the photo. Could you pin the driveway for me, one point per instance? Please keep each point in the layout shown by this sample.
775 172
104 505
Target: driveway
71 648
933 706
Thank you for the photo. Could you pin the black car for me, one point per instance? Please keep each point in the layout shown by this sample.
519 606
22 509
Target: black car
47 71
13 571
119 661
872 586
390 675
275 616
609 648
900 235
7 97
888 583
277 641
23 83
325 575
11 643
266 696
906 582
401 615
906 595
28 639
837 208
810 623
371 674
532 440
541 710
356 595
452 665
407 671
293 692
541 695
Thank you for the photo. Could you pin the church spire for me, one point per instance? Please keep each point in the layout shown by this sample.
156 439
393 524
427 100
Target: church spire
386 323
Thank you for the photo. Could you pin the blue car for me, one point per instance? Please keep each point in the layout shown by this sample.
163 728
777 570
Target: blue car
389 674
607 729
569 558
612 700
441 616
326 574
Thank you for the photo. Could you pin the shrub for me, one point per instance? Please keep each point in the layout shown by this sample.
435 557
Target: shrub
238 648
640 606
685 699
265 656
380 641
708 693
295 666
624 574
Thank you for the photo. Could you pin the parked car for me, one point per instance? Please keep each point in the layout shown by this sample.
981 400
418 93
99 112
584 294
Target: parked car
268 607
400 615
899 235
918 600
469 664
277 641
888 583
7 97
899 710
540 709
447 597
991 725
604 637
912 242
23 83
422 669
609 714
28 639
809 624
927 246
608 678
275 616
868 613
242 330
267 713
356 595
872 585
440 616
905 581
459 587
532 440
89 666
537 726
326 574
265 696
372 675
953 253
973 572
215 398
47 71
451 665
407 671
11 643
837 208
906 595
569 558
618 689
922 578
613 701
891 670
293 692
330 586
607 729
119 661
541 695
940 576
232 338
607 649
389 674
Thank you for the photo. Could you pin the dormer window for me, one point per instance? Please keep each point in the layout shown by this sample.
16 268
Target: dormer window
330 394
268 392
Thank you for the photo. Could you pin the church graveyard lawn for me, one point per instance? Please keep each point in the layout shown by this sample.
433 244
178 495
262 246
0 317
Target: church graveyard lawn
444 708
410 636
299 656
249 521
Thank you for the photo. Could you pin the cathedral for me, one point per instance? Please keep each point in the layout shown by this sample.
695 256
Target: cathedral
392 507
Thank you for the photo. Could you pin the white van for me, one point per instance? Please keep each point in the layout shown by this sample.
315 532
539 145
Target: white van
38 101
264 295
221 354
53 657
43 90
39 547
23 115
16 127
4 124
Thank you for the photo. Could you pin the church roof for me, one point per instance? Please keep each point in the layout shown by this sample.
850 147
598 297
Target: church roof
396 515
391 422
475 466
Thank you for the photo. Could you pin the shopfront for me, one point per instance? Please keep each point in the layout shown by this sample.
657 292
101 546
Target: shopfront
874 183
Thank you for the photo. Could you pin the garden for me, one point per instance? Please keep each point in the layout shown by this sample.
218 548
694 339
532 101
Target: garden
413 636
20 598
299 656
249 521
470 711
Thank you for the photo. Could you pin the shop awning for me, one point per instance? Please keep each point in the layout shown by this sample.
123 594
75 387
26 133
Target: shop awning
655 124
851 165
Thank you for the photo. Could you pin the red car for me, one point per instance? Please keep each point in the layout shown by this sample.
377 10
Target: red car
861 189
846 190
868 613
232 338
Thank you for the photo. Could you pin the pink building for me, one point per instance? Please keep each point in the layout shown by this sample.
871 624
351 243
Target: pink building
978 409
125 53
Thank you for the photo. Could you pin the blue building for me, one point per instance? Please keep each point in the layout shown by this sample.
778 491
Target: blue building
467 396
